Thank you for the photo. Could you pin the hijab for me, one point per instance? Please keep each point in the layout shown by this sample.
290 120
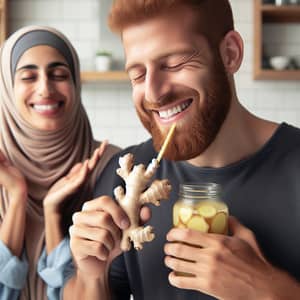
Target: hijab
43 156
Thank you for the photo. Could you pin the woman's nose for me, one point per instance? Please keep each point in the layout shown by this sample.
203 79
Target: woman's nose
45 87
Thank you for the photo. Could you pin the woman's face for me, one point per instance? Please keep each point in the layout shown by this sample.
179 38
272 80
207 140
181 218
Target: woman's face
44 89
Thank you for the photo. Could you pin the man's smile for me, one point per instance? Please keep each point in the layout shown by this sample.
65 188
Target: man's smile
167 113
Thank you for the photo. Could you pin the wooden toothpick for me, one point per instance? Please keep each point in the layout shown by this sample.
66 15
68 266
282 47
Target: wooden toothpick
166 142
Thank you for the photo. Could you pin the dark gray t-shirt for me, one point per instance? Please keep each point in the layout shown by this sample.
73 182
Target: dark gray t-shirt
262 191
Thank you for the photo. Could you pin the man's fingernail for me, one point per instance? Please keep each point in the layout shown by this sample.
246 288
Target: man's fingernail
124 224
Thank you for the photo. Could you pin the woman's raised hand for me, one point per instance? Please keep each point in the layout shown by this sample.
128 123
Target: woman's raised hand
12 180
69 184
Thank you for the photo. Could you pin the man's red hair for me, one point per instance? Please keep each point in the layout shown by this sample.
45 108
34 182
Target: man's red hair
214 17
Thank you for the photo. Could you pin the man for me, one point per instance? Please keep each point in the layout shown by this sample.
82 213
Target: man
181 56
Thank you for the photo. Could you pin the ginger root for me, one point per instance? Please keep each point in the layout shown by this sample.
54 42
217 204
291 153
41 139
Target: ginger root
136 180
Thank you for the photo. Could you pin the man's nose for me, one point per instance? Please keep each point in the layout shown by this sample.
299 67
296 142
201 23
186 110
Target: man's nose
156 86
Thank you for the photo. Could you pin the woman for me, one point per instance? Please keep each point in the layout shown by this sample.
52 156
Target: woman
48 161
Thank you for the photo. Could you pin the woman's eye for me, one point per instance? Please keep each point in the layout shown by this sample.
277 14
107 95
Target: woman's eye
26 75
28 78
59 76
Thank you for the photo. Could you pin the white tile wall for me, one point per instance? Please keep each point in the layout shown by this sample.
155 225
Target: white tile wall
109 105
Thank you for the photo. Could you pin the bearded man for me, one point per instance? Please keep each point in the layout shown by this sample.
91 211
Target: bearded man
181 57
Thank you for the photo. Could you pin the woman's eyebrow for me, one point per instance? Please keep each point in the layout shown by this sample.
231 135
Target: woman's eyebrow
30 67
58 64
35 67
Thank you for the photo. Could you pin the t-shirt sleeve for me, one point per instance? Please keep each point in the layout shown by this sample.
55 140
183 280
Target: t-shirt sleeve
56 268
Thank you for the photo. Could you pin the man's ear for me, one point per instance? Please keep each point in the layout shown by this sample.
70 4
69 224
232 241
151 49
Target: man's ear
232 51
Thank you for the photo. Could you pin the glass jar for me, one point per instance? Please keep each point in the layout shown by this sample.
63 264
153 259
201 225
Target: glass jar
200 207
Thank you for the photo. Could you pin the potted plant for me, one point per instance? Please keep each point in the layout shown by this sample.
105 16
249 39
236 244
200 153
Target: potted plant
103 60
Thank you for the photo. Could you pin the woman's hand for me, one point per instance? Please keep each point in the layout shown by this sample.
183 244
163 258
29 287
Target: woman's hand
12 180
69 184
13 224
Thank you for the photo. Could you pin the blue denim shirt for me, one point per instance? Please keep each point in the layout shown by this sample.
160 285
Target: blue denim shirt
54 269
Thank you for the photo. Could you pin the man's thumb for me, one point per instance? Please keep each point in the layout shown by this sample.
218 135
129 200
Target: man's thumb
240 231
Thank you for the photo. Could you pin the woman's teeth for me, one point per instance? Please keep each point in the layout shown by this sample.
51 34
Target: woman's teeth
45 107
168 113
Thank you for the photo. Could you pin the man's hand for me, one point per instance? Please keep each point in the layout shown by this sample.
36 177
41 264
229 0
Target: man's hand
69 184
96 235
95 241
12 180
226 267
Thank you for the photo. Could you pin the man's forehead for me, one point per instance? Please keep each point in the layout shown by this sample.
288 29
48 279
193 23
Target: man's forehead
167 31
160 48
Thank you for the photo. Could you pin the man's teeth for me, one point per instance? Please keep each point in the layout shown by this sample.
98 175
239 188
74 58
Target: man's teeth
45 107
173 111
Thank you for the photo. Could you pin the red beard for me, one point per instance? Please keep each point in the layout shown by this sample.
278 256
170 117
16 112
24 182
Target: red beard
189 142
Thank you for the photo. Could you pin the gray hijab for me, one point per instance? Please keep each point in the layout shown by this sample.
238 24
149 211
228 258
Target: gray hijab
40 37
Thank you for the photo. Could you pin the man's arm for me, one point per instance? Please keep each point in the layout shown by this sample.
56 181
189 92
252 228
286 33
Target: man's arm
95 241
81 287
